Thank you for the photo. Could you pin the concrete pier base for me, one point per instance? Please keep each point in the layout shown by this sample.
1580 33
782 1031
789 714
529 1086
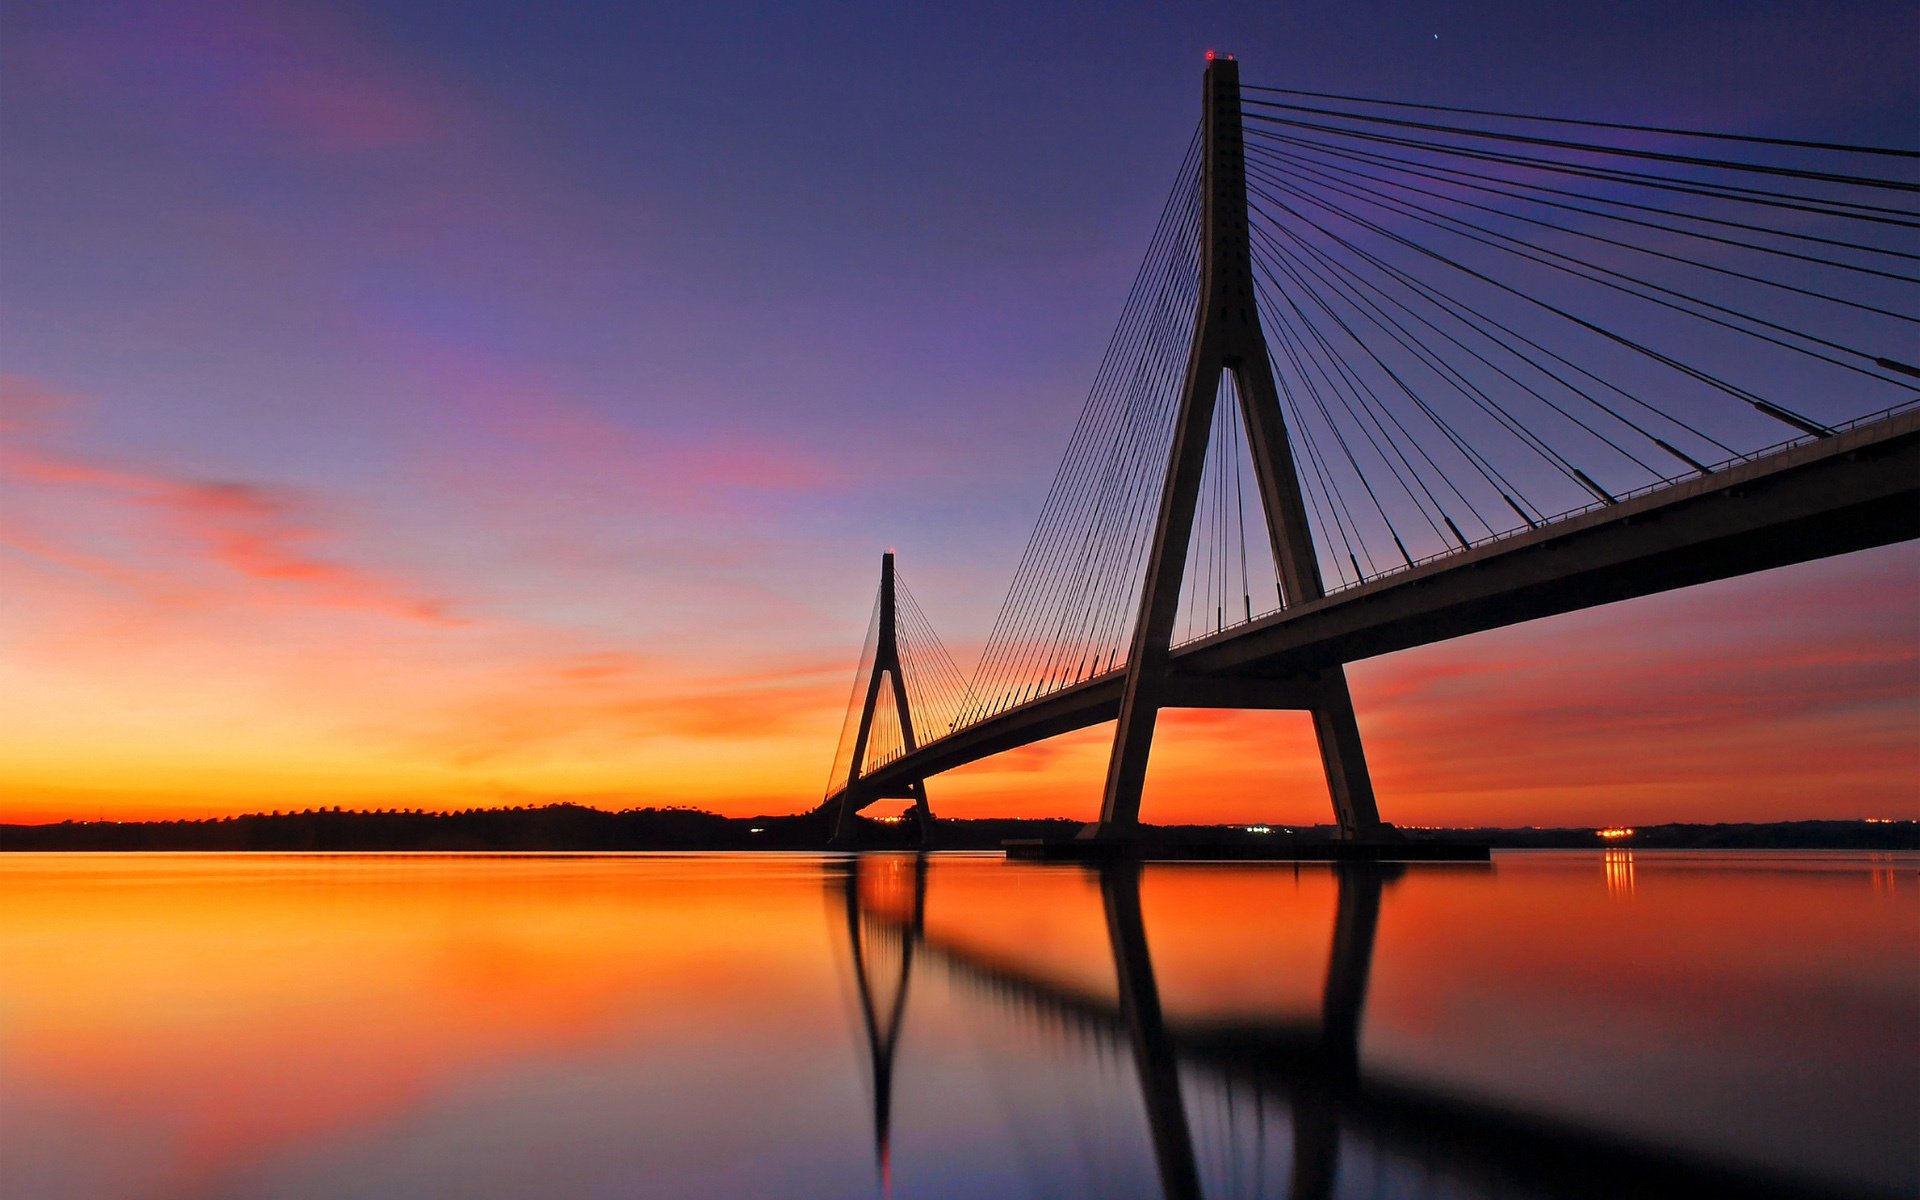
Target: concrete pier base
1264 849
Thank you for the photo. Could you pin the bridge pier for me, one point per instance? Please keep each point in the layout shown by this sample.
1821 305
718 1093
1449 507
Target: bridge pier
1344 759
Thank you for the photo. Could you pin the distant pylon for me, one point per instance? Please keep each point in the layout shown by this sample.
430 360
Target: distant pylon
886 662
1227 336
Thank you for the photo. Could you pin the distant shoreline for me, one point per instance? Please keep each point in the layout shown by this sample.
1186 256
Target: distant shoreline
564 827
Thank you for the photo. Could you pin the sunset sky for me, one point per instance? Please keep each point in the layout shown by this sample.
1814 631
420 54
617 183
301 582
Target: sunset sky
437 405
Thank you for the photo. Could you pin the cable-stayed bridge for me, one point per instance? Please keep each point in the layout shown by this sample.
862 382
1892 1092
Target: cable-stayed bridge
1393 373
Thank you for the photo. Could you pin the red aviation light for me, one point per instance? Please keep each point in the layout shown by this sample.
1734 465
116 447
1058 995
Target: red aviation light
1209 56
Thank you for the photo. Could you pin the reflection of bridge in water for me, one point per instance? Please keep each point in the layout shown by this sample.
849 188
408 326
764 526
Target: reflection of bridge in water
1310 1069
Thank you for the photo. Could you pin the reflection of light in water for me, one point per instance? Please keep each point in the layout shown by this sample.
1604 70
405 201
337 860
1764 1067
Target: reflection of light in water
1885 877
1619 869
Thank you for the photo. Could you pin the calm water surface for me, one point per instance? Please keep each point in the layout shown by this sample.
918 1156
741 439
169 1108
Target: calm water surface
786 1026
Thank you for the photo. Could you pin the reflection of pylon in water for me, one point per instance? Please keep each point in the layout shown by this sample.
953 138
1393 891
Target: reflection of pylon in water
1153 1055
884 1018
1405 1133
1316 1127
888 917
1316 1131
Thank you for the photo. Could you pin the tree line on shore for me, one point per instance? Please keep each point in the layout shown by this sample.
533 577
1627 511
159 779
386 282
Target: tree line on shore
577 827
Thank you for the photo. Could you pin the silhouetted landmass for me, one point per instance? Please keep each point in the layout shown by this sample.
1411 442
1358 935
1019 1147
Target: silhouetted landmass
1767 835
573 827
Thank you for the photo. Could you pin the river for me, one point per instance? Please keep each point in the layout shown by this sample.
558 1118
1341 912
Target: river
1551 1024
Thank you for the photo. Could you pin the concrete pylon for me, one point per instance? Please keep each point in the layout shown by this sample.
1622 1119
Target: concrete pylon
886 665
1227 336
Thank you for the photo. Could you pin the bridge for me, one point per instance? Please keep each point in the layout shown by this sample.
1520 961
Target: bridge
1465 369
1306 1071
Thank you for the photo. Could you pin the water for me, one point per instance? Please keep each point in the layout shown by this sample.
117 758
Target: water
791 1026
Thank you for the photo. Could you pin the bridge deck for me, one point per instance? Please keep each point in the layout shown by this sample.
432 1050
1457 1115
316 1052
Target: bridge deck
1857 489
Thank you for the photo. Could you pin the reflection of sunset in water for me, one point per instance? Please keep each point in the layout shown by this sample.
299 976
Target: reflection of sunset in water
175 1026
182 1021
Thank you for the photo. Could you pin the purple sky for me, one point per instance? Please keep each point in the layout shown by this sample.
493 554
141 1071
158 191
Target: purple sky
576 330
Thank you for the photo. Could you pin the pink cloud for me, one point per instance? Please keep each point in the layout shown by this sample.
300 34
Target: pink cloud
32 545
260 533
564 485
264 535
743 463
677 471
28 408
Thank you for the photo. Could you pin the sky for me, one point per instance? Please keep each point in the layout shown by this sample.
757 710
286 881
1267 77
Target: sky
435 405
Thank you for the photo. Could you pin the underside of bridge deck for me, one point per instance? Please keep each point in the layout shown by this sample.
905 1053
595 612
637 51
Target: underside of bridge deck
1853 491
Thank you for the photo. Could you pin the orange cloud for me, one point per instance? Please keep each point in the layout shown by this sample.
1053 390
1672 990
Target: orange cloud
605 704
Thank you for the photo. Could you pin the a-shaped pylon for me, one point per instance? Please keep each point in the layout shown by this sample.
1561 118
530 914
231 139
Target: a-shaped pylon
1228 337
858 794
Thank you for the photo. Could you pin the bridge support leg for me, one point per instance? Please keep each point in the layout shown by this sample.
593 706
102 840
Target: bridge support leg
1344 759
922 812
1228 337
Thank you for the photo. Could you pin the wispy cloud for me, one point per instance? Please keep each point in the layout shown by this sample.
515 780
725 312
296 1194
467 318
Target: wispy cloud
269 538
604 704
530 428
266 534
